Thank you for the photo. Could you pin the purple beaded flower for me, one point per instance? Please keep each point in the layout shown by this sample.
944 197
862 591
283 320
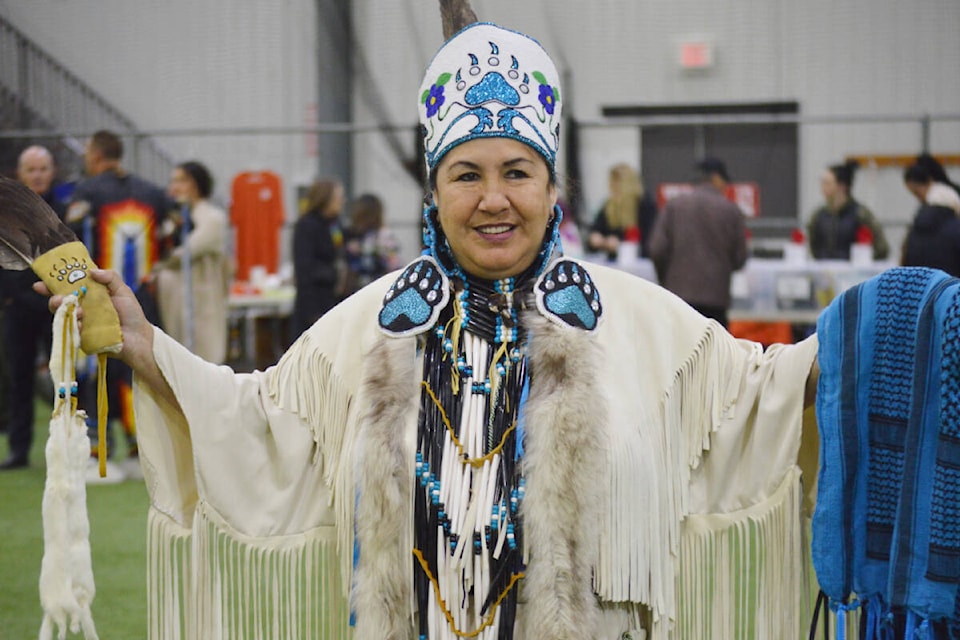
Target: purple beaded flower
433 99
547 98
548 95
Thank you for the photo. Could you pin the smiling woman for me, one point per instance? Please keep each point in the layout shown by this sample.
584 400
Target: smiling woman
494 442
495 199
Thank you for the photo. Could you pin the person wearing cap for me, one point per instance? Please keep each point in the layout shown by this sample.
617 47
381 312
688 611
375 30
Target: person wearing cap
495 441
699 240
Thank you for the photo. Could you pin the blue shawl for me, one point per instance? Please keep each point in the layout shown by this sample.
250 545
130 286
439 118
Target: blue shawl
887 522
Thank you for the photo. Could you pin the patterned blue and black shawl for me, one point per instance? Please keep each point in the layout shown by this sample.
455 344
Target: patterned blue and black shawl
886 530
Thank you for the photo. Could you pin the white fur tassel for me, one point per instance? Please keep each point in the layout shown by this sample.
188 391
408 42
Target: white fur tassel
66 573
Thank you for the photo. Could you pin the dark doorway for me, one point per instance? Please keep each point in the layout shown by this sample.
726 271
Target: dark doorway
763 153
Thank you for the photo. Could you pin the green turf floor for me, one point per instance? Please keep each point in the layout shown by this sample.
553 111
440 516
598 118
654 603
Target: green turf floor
118 516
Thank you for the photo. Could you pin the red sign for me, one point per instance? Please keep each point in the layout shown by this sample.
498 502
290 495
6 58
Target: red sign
696 55
745 195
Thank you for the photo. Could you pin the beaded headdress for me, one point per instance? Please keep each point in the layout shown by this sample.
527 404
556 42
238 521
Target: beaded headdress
487 82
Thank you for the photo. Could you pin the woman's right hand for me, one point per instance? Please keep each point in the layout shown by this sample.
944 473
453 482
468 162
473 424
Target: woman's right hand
137 332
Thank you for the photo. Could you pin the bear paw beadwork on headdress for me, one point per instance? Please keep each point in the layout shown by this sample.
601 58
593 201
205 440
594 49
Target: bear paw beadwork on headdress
486 82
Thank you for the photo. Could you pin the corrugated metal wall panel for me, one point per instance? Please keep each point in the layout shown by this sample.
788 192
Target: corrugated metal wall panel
191 65
230 63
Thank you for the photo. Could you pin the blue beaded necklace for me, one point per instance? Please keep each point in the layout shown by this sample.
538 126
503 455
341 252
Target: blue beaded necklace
468 534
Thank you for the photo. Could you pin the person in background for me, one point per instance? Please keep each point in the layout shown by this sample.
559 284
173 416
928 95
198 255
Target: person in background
921 184
933 239
626 206
936 171
371 249
26 320
119 216
842 220
699 240
317 254
205 331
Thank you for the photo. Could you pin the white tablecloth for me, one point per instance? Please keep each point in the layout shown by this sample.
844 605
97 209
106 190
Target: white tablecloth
779 290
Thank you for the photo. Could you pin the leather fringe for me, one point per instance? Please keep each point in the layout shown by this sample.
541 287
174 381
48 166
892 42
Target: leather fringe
282 588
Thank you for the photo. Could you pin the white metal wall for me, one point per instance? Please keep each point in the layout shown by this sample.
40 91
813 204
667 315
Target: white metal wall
216 63
194 64
864 57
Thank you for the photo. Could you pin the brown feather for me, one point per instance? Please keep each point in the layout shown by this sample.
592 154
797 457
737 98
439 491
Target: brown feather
28 226
455 15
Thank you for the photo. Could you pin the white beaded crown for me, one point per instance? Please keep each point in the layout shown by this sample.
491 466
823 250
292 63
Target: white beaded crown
485 82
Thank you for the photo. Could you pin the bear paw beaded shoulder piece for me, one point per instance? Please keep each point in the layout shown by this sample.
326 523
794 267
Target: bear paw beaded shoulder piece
566 295
414 302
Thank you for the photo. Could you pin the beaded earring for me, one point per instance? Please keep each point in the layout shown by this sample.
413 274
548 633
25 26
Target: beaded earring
429 228
552 244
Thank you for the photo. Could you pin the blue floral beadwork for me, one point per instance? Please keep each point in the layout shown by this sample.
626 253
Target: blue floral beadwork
547 99
434 100
566 294
414 301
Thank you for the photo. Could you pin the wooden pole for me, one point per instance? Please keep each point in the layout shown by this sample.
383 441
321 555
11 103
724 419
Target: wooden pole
455 15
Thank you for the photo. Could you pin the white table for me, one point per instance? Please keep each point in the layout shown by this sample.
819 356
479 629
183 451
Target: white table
767 290
794 291
246 308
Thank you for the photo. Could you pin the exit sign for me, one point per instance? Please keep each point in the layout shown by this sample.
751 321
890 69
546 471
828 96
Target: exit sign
696 54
